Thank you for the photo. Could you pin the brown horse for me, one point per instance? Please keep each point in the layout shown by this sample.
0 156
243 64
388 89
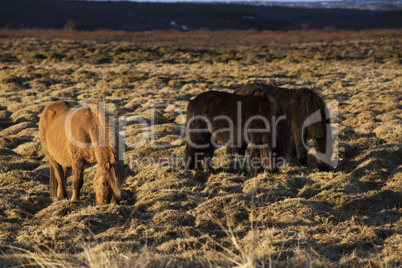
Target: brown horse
299 105
218 117
74 136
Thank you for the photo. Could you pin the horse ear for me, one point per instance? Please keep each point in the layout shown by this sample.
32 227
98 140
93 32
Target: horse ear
107 165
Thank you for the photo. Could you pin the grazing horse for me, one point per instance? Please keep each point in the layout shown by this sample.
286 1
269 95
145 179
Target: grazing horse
218 117
299 105
74 136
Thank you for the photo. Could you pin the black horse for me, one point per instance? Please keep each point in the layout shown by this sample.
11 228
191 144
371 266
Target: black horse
299 105
236 120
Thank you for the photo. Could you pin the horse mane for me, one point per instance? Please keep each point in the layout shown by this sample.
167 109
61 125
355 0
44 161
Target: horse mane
107 129
312 99
314 102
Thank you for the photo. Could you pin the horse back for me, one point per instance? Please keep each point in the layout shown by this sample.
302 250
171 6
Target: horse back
228 113
50 114
54 126
297 104
215 103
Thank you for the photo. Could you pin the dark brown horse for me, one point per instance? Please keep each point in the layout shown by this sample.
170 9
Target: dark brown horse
218 117
74 136
299 105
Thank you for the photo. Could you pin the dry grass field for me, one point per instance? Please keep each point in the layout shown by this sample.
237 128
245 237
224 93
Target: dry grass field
350 216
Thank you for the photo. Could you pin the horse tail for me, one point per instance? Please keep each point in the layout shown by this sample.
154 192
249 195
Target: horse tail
52 183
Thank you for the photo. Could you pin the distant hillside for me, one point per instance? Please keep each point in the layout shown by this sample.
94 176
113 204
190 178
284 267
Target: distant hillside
131 16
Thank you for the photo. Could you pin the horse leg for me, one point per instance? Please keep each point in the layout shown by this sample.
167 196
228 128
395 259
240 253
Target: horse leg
292 149
193 155
300 150
209 153
58 174
193 158
78 179
208 164
242 150
65 172
266 160
254 162
231 149
52 183
189 157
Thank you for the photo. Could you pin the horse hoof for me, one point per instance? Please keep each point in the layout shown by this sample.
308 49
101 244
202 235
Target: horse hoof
213 171
275 170
323 169
252 174
303 161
